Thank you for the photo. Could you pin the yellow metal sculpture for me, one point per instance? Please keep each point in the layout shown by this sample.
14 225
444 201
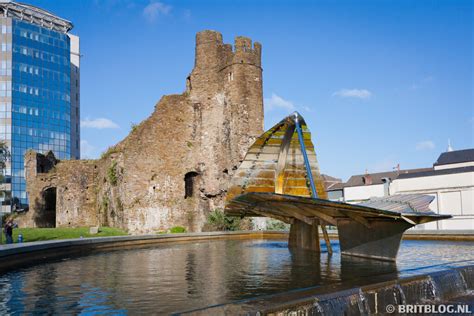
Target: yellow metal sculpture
280 178
275 164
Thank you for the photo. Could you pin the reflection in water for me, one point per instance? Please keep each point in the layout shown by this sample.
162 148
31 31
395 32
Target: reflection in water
365 267
169 278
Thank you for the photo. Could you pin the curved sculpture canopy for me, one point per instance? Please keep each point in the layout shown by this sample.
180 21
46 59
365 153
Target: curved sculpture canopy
275 163
280 178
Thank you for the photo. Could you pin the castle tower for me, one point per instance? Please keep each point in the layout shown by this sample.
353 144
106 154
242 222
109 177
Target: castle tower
225 88
244 92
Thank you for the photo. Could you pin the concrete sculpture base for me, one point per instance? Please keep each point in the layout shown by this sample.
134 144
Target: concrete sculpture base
380 240
304 236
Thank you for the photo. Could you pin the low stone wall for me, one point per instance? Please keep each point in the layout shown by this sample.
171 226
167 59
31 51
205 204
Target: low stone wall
455 235
459 235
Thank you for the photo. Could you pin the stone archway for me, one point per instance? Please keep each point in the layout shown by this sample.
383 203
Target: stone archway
190 185
46 216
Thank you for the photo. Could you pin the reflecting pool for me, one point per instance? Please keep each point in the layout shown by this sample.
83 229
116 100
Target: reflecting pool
171 277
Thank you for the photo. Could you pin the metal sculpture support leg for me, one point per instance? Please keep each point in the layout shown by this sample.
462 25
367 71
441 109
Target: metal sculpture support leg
326 238
309 173
314 193
381 240
304 236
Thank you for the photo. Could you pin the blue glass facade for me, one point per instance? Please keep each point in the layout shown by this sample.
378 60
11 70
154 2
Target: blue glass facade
35 98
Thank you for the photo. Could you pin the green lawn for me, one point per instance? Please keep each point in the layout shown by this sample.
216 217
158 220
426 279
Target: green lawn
37 234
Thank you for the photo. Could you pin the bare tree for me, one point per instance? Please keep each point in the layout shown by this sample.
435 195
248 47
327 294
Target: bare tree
4 157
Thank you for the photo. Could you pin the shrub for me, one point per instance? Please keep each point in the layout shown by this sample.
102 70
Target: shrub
218 221
105 203
274 224
177 230
108 152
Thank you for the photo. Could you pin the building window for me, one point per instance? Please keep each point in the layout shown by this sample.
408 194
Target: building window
189 183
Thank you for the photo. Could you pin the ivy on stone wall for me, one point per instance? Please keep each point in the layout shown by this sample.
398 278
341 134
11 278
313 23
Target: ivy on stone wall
112 173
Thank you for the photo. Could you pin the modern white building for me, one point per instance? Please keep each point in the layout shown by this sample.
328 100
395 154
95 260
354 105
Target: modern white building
450 181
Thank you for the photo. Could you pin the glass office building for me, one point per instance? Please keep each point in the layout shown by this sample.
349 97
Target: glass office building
39 92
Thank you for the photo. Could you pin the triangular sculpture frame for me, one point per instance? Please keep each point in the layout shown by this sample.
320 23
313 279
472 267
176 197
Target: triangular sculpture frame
280 178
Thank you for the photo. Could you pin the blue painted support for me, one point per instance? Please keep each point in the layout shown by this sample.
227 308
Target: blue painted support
314 193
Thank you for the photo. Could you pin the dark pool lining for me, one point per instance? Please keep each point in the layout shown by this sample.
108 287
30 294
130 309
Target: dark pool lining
302 294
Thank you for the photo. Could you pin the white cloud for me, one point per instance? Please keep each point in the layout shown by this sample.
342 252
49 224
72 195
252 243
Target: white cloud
155 9
425 145
115 5
422 82
428 79
387 164
99 123
278 102
187 15
353 93
307 108
87 150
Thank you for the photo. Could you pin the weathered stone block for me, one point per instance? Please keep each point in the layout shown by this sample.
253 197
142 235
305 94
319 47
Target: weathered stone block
94 230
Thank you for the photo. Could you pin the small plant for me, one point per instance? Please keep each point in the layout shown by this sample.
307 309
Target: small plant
136 200
108 152
133 126
112 173
118 204
177 230
105 203
274 224
218 221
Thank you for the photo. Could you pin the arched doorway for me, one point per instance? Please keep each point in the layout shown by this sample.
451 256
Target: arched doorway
48 216
190 184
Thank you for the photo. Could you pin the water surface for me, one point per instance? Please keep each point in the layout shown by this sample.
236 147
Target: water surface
175 277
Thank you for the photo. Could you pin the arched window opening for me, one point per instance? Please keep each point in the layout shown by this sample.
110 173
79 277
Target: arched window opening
47 215
189 183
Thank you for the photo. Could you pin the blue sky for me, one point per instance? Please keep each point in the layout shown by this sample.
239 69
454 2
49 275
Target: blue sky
380 83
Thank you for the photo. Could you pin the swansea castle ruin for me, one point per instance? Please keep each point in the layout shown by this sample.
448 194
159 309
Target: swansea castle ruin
175 166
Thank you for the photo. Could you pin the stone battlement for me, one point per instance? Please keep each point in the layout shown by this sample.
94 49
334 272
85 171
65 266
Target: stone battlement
211 52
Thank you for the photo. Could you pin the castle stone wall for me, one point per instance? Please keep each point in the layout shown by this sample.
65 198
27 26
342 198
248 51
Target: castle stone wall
201 135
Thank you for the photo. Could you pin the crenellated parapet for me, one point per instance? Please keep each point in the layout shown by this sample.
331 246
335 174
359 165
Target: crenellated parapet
212 54
245 53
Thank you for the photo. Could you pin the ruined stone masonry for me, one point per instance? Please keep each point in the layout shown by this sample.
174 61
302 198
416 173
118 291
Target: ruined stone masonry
174 167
